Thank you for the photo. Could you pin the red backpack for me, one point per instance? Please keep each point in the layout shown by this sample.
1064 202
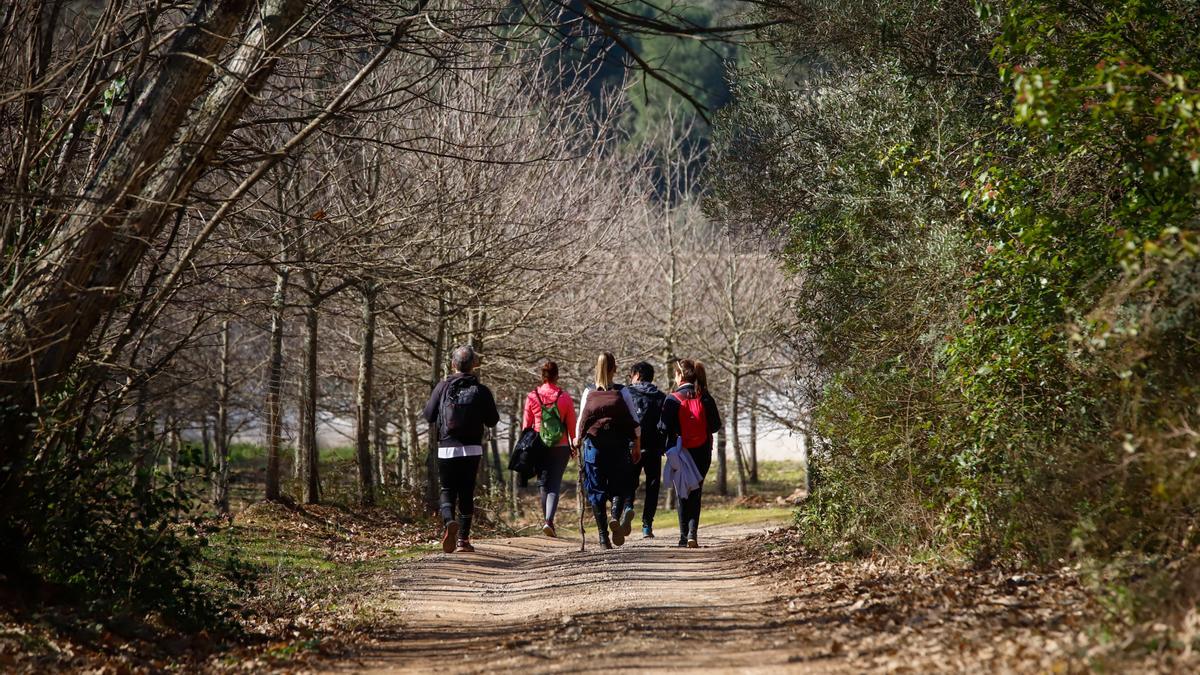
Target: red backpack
693 423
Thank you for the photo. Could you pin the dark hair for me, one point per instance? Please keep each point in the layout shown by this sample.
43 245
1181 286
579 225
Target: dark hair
643 370
690 372
701 378
550 372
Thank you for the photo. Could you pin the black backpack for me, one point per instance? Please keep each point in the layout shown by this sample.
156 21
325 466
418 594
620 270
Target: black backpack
649 410
456 413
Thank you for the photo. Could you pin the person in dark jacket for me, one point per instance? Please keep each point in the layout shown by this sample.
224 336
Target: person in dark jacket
608 432
648 402
459 409
691 385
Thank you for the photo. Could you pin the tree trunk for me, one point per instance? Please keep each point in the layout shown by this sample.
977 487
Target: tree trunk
206 447
754 440
143 466
498 473
363 403
275 386
175 439
380 426
414 439
310 475
735 433
514 421
431 484
221 477
722 481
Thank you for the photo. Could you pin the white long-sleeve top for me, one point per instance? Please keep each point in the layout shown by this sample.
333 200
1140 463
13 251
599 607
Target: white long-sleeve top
625 396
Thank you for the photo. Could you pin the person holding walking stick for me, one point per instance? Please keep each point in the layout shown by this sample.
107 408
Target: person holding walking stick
607 426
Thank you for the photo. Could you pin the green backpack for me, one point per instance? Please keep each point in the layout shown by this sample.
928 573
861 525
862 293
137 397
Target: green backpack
552 425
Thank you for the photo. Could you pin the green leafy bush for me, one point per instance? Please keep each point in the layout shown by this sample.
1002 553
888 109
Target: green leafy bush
993 208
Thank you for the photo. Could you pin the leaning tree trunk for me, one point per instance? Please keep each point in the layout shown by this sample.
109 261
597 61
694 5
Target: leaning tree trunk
125 204
221 477
275 385
366 376
431 472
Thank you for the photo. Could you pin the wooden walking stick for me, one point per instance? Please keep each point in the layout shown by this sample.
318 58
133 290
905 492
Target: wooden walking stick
579 505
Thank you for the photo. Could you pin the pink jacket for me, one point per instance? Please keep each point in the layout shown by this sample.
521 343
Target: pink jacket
550 394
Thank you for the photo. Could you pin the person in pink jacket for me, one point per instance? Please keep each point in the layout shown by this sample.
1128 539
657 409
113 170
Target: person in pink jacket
550 411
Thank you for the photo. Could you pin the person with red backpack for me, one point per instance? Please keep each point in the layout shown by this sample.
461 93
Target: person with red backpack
690 417
550 411
458 410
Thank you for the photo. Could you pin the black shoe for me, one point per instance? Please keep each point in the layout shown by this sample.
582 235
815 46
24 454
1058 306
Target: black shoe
647 532
682 543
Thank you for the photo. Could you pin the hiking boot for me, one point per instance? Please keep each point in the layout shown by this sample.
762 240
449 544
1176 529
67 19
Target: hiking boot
682 543
627 522
691 540
647 532
449 535
601 525
618 532
464 546
548 530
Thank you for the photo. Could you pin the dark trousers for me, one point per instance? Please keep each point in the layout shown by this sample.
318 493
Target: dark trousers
457 477
651 465
689 507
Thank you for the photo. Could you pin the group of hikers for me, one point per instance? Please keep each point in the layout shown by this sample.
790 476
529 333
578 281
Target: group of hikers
619 433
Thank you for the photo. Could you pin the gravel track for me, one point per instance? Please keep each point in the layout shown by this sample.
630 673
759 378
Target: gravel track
535 604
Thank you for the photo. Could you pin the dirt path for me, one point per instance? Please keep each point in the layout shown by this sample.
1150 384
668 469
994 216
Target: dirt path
537 604
532 604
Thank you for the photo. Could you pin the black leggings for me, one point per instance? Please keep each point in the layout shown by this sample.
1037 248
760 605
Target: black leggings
651 464
457 477
689 507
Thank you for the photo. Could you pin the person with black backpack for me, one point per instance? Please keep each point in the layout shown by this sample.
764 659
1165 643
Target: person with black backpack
459 408
648 402
550 411
689 418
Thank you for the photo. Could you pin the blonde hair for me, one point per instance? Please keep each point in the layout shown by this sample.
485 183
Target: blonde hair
606 368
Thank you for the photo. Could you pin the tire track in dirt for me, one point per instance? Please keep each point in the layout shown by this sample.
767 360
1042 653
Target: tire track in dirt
540 605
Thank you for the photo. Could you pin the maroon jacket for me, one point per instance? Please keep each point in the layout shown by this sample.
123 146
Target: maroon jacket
606 414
